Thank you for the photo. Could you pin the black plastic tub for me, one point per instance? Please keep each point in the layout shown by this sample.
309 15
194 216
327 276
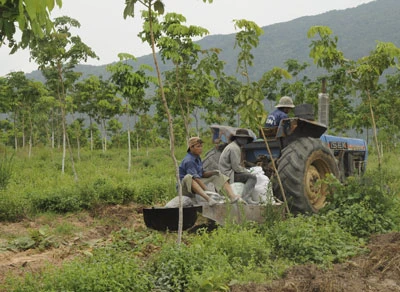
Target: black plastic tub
162 219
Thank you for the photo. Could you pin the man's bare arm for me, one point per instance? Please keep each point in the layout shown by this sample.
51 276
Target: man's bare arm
207 174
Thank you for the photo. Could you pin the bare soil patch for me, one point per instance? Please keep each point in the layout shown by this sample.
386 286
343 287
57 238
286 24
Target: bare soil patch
91 228
377 270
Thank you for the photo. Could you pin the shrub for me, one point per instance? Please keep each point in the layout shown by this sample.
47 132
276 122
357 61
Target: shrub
241 245
178 268
65 200
12 208
6 169
211 261
313 239
109 192
365 205
151 190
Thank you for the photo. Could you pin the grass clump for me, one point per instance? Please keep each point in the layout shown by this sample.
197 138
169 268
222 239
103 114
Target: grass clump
213 261
104 270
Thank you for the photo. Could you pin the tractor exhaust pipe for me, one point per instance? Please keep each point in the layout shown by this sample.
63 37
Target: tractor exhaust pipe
323 105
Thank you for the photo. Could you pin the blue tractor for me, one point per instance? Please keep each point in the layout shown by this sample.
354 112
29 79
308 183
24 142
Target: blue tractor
303 156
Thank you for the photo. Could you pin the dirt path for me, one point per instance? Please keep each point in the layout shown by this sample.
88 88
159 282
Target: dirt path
378 270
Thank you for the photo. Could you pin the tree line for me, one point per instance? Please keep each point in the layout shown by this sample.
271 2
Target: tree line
197 90
99 113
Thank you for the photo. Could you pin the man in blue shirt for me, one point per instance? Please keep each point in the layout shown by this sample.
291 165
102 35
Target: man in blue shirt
282 109
194 179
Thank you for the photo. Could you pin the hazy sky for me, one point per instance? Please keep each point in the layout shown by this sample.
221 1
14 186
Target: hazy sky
104 29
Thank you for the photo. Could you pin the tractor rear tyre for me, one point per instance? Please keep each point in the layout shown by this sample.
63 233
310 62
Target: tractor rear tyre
301 167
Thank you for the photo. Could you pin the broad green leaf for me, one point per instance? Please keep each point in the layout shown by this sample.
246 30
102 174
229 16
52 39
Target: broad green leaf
31 9
50 4
159 7
129 9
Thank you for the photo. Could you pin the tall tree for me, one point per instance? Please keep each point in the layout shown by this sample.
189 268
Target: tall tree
326 55
250 97
84 98
76 132
145 131
33 95
132 86
5 92
176 45
152 7
17 84
57 55
367 72
388 111
106 106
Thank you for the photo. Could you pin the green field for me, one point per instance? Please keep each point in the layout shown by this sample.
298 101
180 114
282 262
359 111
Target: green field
206 261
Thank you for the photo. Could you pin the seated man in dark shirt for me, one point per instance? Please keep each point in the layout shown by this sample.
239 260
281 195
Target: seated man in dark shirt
282 109
194 179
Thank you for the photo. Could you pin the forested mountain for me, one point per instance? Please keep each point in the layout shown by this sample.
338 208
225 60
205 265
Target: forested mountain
358 29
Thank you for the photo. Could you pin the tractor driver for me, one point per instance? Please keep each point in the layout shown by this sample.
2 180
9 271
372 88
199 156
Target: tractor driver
282 109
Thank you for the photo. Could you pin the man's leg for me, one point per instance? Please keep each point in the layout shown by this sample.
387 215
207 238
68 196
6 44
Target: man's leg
222 181
191 187
197 189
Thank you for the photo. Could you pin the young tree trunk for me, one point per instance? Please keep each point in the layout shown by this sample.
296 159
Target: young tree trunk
196 118
30 138
52 141
61 97
71 158
378 151
91 133
104 134
15 134
170 125
78 145
63 152
186 115
137 136
129 143
23 132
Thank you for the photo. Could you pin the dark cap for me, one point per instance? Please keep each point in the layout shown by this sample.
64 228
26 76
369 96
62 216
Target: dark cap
242 133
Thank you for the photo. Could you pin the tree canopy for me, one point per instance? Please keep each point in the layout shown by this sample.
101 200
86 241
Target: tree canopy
32 18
